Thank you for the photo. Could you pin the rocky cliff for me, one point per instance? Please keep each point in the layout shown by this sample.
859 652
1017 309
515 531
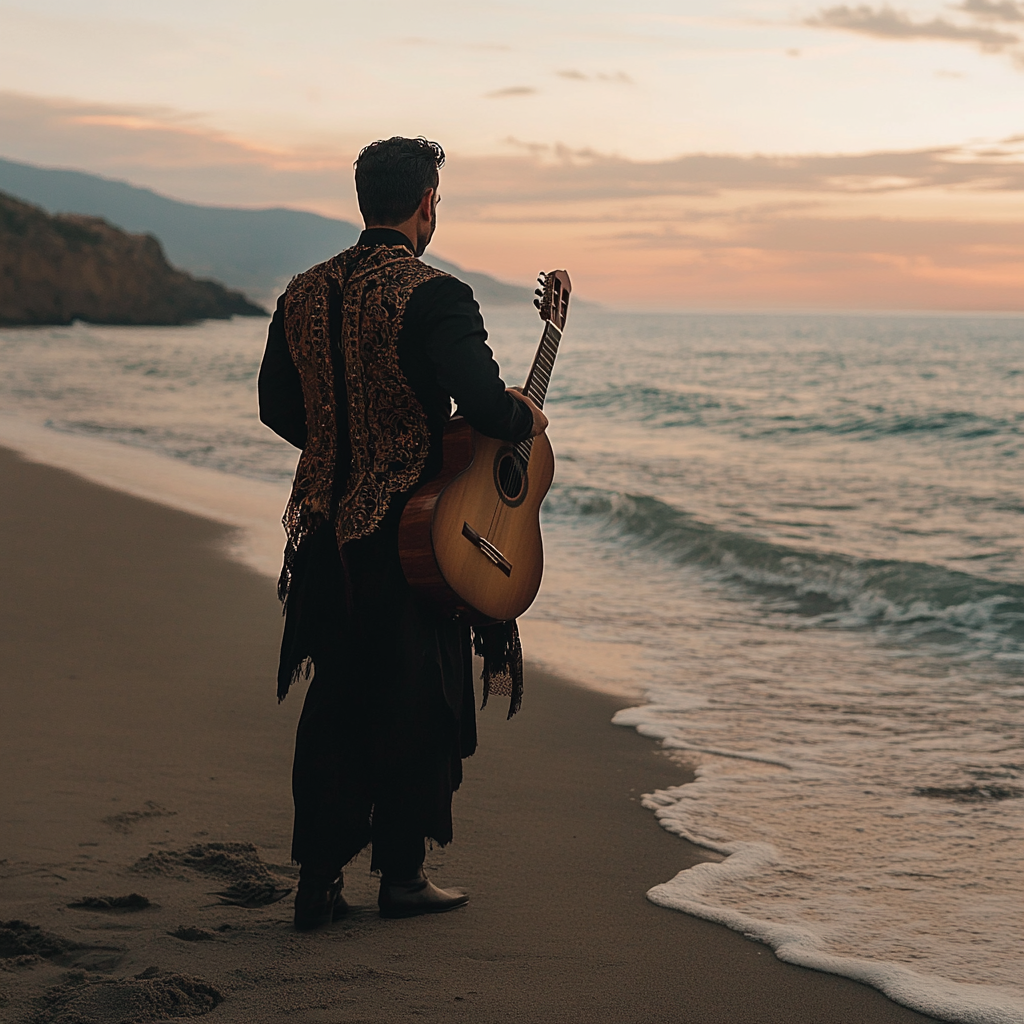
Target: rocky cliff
57 269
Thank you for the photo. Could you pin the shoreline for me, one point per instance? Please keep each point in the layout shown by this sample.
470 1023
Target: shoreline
252 509
140 718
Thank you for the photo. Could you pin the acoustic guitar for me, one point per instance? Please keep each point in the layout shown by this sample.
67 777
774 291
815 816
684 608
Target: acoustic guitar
470 538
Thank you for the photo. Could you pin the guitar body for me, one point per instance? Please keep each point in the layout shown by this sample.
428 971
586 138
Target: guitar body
470 539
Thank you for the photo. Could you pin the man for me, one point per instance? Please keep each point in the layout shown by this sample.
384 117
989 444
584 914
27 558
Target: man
364 356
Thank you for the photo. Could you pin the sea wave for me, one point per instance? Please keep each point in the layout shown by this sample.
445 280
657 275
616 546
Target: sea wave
958 612
661 407
881 423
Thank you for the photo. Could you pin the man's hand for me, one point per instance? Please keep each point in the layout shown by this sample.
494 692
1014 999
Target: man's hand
540 421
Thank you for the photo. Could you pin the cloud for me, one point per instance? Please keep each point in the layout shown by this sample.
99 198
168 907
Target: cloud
616 77
177 154
974 242
887 23
557 172
928 228
512 90
986 10
172 151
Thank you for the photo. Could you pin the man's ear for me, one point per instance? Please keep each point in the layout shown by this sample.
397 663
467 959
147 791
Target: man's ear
426 204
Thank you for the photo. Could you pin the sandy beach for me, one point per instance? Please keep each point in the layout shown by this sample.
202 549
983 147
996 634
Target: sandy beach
143 753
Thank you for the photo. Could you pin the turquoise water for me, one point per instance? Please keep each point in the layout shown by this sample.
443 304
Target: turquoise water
800 535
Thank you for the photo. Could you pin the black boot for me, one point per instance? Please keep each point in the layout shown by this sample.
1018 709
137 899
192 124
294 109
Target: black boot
418 895
318 903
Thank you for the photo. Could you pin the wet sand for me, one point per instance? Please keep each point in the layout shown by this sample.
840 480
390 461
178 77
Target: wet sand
142 751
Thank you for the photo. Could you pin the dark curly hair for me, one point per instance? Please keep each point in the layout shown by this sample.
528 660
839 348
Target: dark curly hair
393 175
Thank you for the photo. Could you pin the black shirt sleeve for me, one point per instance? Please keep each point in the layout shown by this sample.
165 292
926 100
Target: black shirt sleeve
282 407
455 342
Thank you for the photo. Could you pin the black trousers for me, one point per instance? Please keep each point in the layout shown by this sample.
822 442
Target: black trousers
362 776
378 751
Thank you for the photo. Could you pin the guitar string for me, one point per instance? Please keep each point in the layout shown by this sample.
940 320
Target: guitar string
517 474
536 388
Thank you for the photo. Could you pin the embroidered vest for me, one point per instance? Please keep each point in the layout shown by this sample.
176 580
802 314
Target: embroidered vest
388 432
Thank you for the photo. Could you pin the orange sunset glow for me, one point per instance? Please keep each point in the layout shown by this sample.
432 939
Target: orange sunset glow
673 156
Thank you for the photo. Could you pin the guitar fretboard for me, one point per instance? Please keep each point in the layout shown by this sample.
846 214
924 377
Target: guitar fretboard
540 373
537 381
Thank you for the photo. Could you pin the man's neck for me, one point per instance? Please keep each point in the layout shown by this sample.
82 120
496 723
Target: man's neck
404 229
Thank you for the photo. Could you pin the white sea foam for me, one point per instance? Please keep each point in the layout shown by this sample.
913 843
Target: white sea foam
699 891
814 864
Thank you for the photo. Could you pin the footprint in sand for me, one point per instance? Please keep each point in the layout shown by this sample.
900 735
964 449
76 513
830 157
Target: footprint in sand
250 882
133 901
82 999
25 944
124 821
189 933
21 939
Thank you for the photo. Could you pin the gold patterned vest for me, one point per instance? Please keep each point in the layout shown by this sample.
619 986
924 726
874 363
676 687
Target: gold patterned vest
388 432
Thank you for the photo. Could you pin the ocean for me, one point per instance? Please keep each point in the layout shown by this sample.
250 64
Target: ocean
792 542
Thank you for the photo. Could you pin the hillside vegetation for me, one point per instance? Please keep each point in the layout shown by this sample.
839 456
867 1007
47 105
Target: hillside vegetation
54 270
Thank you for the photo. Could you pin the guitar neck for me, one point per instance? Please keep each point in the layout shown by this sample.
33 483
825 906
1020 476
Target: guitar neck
553 303
539 377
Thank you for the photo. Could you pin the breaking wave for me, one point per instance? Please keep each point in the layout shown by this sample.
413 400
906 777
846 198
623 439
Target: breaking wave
952 611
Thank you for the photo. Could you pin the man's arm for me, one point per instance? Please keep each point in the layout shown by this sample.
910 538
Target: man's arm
282 407
540 420
456 344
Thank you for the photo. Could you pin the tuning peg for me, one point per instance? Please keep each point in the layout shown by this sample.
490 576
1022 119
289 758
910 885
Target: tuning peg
538 291
536 302
541 277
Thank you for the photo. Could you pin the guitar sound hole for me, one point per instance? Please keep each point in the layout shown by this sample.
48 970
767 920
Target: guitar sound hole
509 478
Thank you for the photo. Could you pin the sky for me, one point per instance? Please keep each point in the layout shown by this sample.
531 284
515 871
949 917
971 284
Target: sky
739 154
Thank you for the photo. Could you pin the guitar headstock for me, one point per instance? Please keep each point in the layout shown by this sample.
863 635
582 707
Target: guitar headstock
553 297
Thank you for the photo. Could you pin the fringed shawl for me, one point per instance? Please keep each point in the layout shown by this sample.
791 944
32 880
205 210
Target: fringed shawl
499 646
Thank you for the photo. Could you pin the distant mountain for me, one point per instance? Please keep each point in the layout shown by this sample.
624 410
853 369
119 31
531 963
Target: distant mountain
54 270
257 251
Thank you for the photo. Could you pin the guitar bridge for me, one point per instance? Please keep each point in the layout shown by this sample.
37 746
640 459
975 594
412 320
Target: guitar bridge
489 550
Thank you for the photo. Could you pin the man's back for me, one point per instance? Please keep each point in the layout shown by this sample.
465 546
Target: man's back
365 355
